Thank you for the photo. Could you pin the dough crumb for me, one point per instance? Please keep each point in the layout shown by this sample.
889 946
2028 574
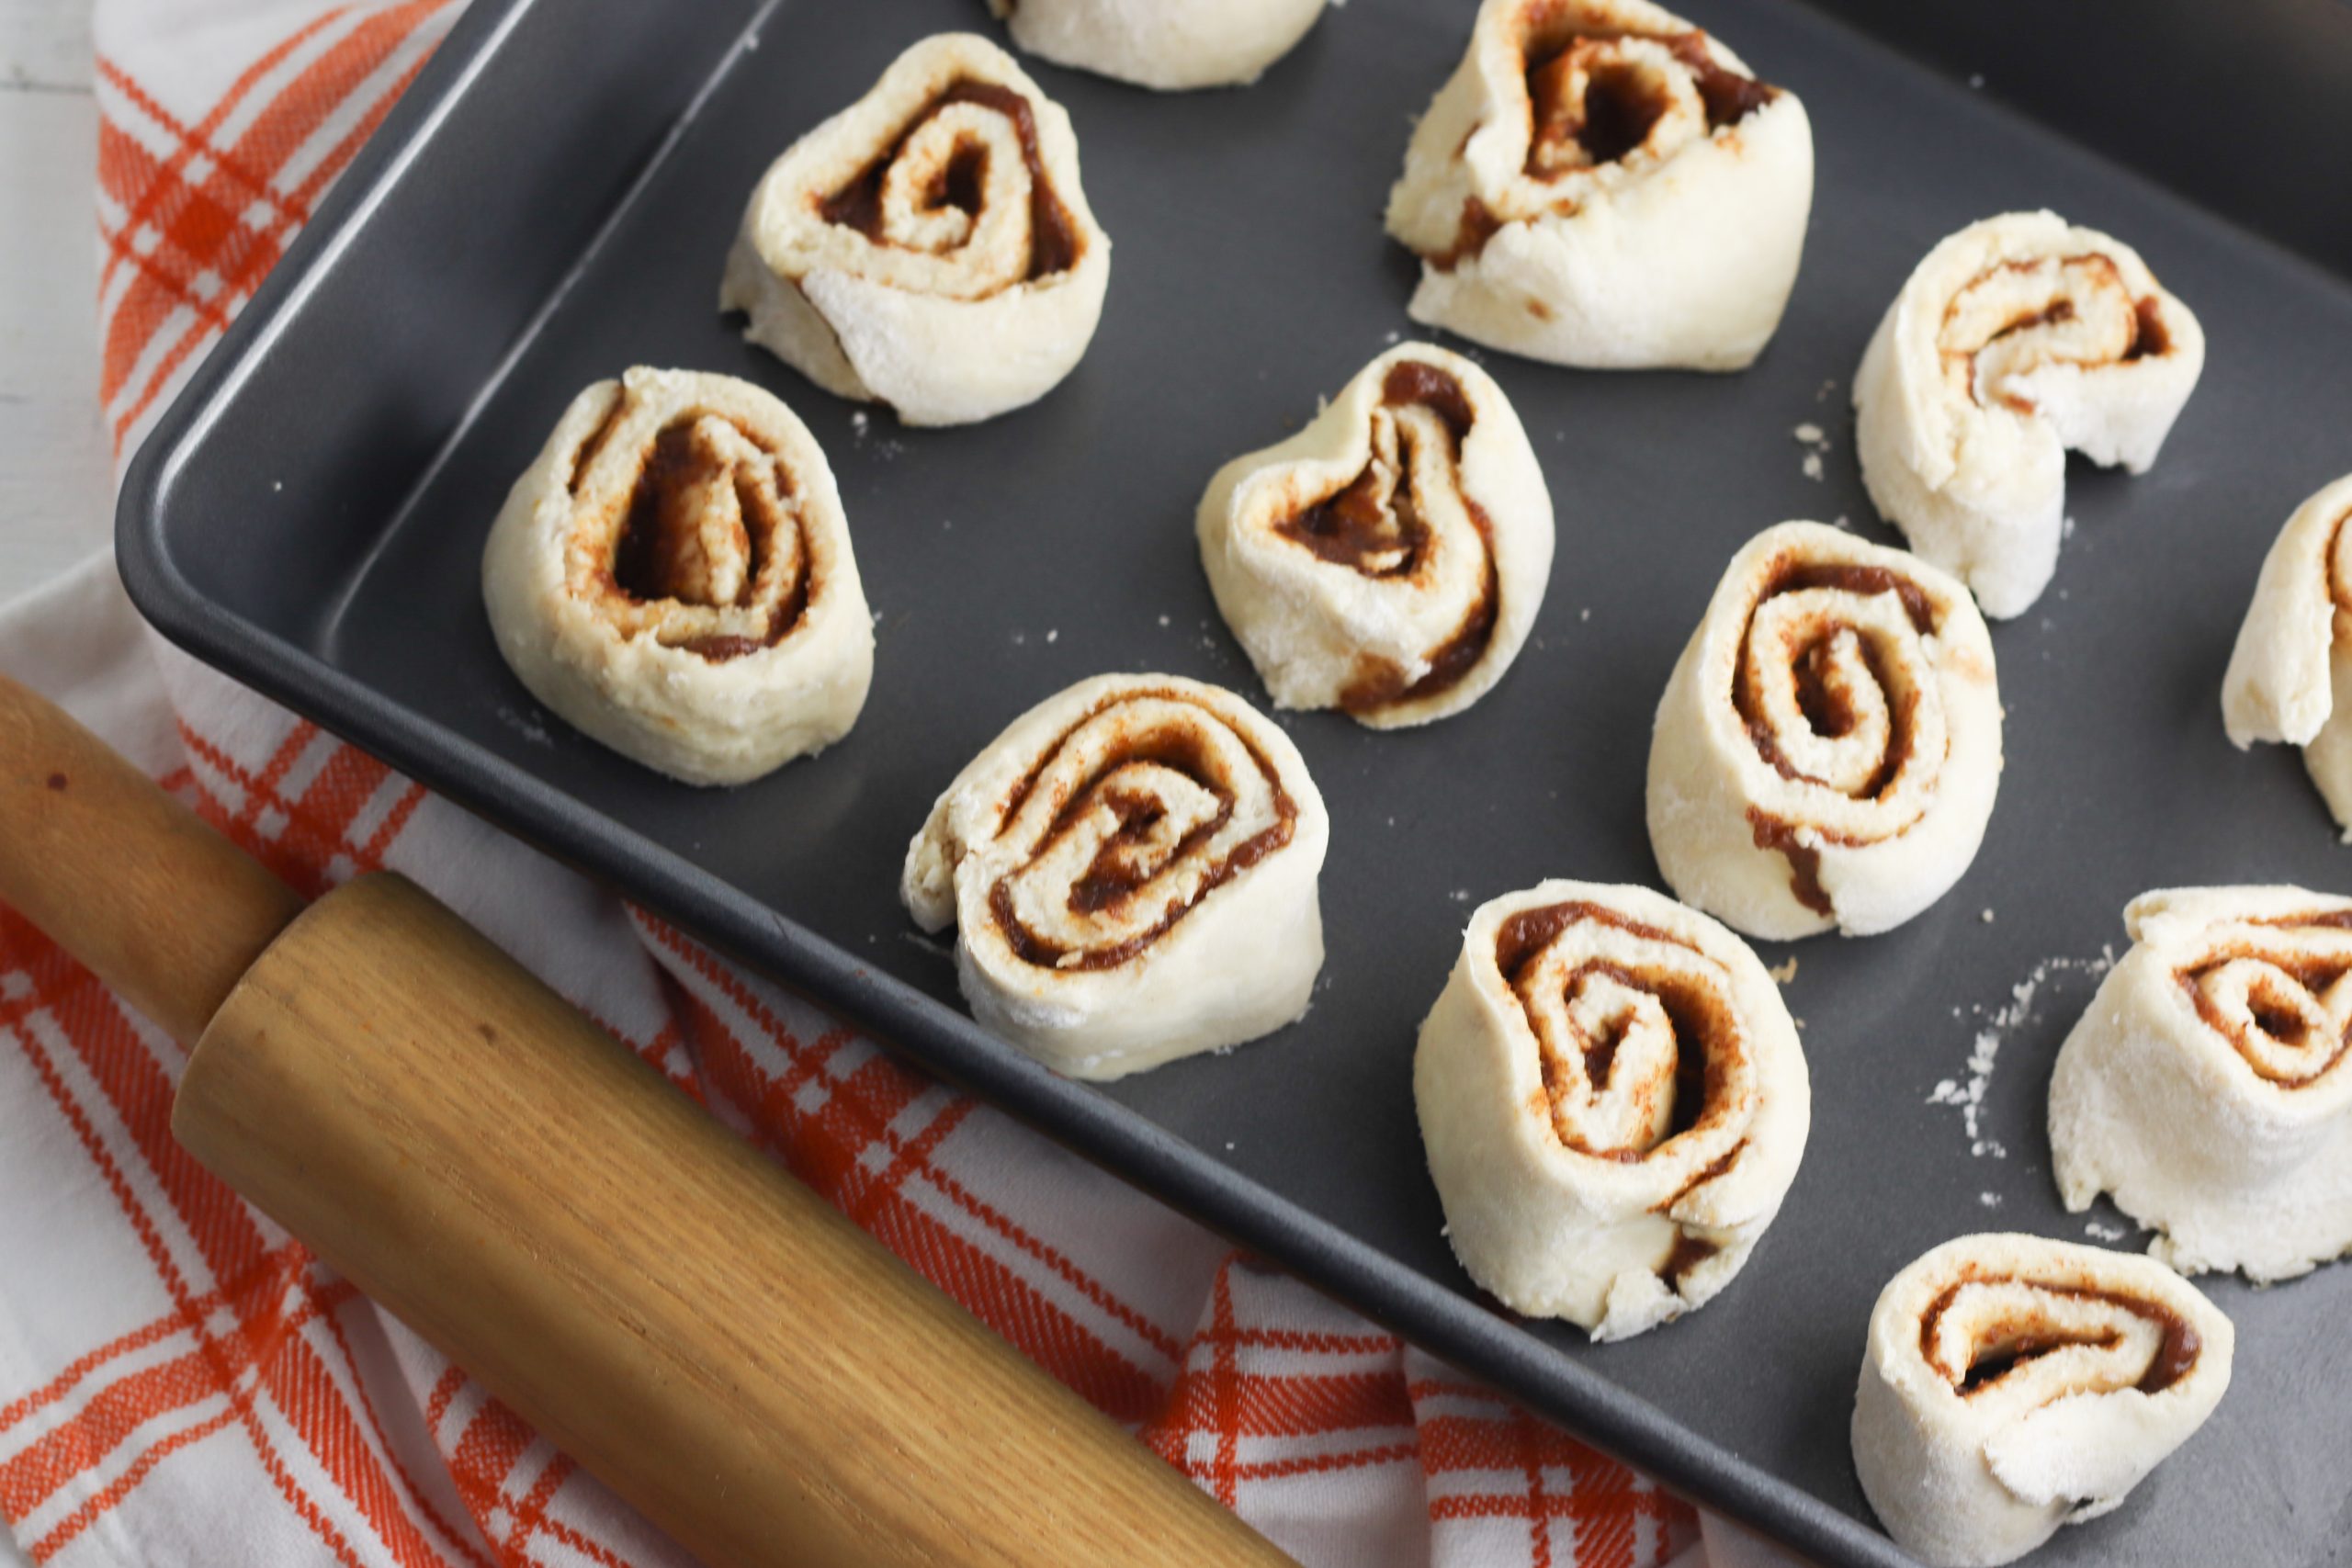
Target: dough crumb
2098 1232
2001 1023
1810 434
1053 633
1784 973
1987 917
1584 615
1990 1200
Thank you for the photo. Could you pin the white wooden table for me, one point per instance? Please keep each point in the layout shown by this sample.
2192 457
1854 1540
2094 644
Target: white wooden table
55 468
55 465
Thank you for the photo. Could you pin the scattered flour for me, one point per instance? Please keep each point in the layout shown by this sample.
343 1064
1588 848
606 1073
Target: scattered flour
1815 441
1990 1200
523 725
1999 1025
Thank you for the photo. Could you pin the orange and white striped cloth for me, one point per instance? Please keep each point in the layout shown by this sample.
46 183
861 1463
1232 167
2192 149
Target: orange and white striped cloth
182 1383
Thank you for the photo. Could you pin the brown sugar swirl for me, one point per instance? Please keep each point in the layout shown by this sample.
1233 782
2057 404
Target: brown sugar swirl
2013 1384
674 577
699 546
1388 560
930 246
1603 184
1836 712
1614 1101
1132 818
1131 869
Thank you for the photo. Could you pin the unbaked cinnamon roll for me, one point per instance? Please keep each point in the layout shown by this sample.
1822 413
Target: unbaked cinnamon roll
929 247
1613 1104
1169 45
1828 745
2209 1085
1131 872
2016 339
2290 675
1388 560
674 577
2014 1385
1601 184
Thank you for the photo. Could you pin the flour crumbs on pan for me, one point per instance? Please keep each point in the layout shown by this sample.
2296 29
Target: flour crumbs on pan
1999 1026
1815 441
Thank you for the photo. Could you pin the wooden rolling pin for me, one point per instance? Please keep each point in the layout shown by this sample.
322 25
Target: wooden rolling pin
750 1371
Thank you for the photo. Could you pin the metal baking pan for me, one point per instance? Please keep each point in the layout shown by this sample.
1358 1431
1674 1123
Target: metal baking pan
551 203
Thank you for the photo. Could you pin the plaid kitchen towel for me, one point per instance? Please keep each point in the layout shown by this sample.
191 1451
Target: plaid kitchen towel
182 1383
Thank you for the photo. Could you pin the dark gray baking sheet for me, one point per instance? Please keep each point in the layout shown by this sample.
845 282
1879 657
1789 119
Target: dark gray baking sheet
312 515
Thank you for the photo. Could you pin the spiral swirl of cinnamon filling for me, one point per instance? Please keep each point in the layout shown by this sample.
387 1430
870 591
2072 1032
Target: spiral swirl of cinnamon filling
673 576
962 182
2028 1341
2281 993
1840 697
1613 1100
705 553
930 247
2016 318
1603 184
2014 1384
1134 816
1131 870
1389 560
2015 341
2291 672
2209 1085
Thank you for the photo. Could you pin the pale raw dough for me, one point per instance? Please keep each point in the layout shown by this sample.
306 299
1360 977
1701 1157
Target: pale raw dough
2290 675
1540 234
1169 45
1568 1200
1457 574
1082 934
2015 339
1969 1477
1810 614
2208 1086
747 643
944 314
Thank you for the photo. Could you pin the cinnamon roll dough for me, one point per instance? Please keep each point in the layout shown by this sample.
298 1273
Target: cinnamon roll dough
2015 339
929 247
1829 744
1169 45
1622 1203
2014 1385
1131 870
1601 184
674 577
2290 675
1388 559
2209 1085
